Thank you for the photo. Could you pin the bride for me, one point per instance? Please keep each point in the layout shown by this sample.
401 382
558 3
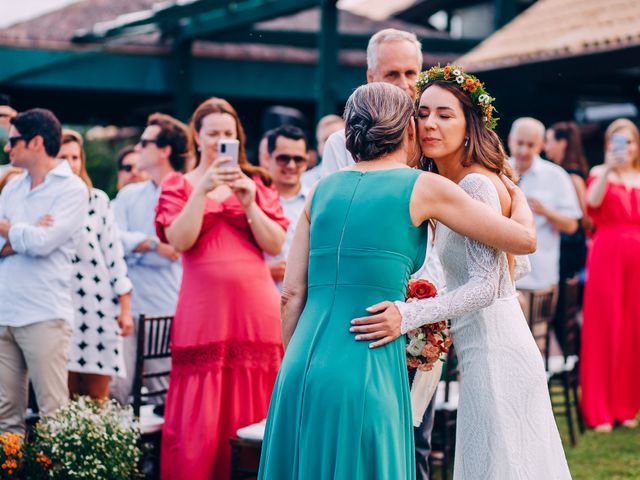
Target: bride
505 428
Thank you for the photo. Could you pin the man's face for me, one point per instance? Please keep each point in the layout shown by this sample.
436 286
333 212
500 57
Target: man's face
128 171
6 114
525 143
19 153
325 132
398 64
150 154
288 161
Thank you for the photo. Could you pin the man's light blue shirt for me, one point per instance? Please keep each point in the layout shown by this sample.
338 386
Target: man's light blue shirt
292 208
156 279
35 282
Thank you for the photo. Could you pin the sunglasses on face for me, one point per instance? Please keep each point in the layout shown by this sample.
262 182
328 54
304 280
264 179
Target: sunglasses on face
13 141
143 142
126 168
284 159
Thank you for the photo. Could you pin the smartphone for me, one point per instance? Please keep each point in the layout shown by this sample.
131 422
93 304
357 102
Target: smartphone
229 147
619 147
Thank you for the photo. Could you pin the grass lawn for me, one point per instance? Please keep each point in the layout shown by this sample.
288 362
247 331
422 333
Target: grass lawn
603 456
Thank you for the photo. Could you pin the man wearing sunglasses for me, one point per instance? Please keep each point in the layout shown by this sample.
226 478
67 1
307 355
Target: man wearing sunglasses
6 114
287 161
154 267
36 310
128 167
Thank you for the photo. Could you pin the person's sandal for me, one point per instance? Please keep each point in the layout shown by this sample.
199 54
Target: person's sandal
603 428
633 423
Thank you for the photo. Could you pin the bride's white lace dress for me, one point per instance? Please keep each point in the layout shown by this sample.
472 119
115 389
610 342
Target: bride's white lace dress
505 426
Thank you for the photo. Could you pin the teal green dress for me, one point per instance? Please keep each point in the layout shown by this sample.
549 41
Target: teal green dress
340 410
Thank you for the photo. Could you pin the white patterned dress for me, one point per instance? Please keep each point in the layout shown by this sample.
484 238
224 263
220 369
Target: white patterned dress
99 278
505 425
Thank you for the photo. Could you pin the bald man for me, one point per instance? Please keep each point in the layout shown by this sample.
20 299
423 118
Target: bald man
551 197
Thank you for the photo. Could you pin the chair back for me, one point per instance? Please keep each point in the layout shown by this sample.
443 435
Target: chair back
153 342
542 308
569 311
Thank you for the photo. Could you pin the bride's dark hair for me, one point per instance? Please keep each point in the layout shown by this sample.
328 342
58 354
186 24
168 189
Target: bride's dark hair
485 147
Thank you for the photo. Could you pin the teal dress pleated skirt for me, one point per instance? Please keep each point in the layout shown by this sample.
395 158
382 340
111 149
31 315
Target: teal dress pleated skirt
340 410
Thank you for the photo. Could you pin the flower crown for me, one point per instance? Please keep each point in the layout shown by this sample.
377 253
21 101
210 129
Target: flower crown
469 83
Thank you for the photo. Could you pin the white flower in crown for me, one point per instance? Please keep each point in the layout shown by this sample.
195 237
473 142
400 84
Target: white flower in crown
457 73
485 119
483 98
460 79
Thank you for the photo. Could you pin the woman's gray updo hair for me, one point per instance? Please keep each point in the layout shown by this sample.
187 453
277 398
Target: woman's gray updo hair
376 117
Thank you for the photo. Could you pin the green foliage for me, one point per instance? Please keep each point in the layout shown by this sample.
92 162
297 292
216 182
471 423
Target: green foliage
85 440
102 165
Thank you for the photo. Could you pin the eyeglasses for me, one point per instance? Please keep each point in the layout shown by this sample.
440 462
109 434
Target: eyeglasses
13 141
283 159
126 168
143 142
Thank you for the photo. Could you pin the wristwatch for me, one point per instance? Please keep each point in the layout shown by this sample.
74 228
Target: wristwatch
154 242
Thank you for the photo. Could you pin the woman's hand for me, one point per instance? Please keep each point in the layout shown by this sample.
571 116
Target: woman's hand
613 160
125 322
218 174
245 189
384 326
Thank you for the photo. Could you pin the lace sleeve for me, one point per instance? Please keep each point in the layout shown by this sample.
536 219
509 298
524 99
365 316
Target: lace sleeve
522 266
481 289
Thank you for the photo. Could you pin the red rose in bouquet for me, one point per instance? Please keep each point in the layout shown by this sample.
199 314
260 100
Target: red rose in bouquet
420 289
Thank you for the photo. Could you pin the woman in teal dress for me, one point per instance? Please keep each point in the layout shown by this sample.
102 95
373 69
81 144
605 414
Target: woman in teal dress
341 410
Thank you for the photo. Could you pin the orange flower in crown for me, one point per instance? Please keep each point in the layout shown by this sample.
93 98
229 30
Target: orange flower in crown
468 83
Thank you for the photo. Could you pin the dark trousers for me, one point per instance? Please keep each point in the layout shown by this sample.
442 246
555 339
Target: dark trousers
422 435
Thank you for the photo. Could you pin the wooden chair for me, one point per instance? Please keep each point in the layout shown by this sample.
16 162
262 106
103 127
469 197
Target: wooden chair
540 314
153 342
245 458
444 427
562 370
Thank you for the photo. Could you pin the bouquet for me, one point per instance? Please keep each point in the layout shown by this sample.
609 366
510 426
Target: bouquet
426 344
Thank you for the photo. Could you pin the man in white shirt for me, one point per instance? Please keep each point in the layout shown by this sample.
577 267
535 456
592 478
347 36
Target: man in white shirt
393 56
154 267
287 161
41 213
551 196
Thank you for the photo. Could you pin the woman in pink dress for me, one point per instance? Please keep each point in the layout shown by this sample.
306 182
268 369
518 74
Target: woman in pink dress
611 328
226 342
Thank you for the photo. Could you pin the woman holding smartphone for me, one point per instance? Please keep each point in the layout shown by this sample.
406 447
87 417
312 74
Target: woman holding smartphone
611 328
226 342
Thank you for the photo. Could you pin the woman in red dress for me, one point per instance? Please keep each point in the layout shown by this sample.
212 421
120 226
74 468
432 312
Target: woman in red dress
611 328
225 341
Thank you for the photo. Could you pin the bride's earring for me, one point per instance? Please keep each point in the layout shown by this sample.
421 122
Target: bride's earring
466 141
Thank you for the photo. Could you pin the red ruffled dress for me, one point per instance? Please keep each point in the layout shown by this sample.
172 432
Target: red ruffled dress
225 340
611 327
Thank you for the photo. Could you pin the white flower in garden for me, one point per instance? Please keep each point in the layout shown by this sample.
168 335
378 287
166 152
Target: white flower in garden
460 79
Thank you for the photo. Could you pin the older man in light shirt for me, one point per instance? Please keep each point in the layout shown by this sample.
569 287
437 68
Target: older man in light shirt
41 213
551 196
154 267
393 56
